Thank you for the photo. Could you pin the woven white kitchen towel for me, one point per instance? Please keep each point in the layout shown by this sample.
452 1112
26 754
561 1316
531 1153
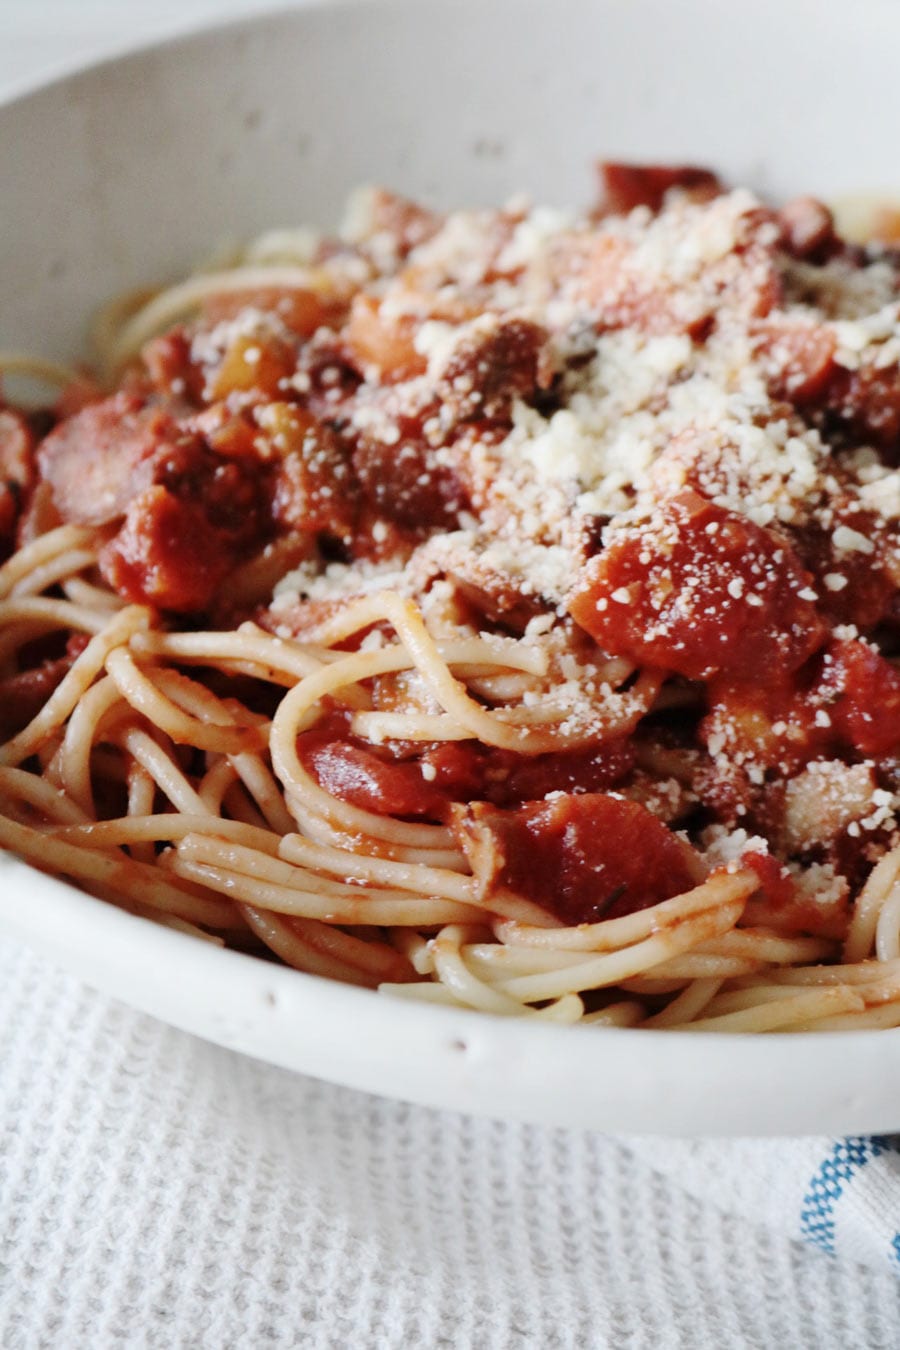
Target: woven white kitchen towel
841 1196
159 1192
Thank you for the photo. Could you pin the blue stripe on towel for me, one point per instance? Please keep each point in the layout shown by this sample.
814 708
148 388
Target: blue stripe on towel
846 1158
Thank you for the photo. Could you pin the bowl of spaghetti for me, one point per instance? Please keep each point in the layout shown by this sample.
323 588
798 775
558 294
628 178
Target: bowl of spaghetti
448 635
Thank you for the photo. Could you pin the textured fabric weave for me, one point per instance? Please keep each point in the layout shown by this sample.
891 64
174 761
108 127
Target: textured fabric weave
159 1192
841 1196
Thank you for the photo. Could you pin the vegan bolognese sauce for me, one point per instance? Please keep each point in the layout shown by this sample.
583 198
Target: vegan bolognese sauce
496 607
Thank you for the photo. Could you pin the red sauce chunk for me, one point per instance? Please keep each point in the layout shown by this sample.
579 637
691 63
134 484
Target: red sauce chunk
24 694
166 554
580 857
775 883
16 472
799 358
699 590
366 777
635 469
98 460
778 723
867 590
808 229
511 779
487 371
781 905
625 186
863 690
848 699
407 483
193 497
390 780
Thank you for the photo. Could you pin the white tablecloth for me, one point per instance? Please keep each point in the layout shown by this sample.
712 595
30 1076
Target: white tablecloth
156 1191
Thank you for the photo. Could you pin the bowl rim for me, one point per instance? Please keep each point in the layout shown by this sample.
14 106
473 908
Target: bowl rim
202 27
454 1058
121 50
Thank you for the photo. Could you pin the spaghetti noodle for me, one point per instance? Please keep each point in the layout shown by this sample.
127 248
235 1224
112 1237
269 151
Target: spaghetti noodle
497 609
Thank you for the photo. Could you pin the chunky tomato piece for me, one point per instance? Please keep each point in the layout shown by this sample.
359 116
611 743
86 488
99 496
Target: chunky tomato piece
300 309
621 295
780 903
799 358
867 403
849 699
369 779
255 366
313 486
504 778
512 779
382 345
862 691
856 586
625 186
408 482
408 223
96 461
171 367
700 590
167 554
582 858
387 787
16 471
396 779
801 366
193 495
494 363
607 272
775 881
768 724
808 229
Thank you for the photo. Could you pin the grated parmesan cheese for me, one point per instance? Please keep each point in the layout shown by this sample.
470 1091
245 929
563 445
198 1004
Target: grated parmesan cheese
681 348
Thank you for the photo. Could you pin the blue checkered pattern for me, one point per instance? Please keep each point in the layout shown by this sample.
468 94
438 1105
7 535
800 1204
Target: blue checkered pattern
847 1158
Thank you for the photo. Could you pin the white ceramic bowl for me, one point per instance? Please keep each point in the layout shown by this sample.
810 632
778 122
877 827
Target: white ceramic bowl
131 170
